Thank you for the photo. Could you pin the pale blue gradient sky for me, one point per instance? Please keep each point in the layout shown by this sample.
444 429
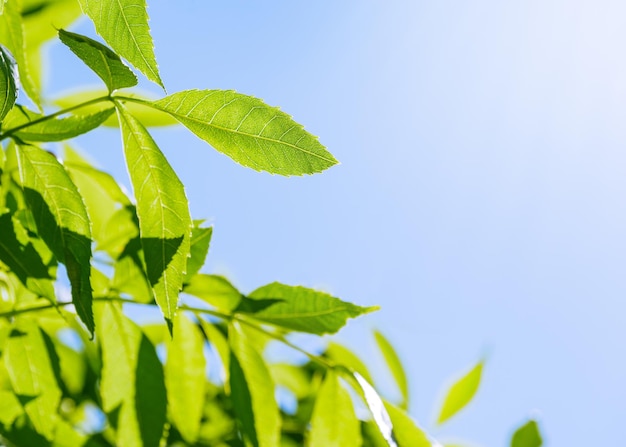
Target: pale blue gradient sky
480 199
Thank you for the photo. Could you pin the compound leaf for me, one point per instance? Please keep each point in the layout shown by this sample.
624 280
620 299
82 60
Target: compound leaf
248 131
101 59
163 212
306 310
460 393
124 25
61 219
8 81
334 422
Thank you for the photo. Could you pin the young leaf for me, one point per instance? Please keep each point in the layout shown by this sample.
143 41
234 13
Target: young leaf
163 211
8 81
248 131
527 436
395 366
460 393
33 380
132 385
215 290
185 377
104 62
200 241
344 357
124 25
306 310
62 221
334 422
252 392
56 129
405 430
12 36
378 410
219 342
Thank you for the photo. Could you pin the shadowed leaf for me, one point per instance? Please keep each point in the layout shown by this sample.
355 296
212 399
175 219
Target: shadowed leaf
8 81
527 435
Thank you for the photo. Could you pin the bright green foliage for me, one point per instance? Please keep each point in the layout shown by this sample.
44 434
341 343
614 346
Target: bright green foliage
8 86
405 430
334 423
124 25
305 310
214 290
163 212
104 62
395 366
29 126
200 242
252 391
248 131
461 393
61 220
527 436
184 377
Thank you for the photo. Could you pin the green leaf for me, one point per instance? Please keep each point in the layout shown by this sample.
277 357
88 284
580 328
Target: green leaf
214 290
306 310
461 393
163 211
54 129
8 84
200 241
377 408
405 430
395 366
252 392
12 36
248 131
101 59
41 22
132 385
61 219
334 422
124 25
185 370
292 377
31 371
219 342
11 408
343 356
527 435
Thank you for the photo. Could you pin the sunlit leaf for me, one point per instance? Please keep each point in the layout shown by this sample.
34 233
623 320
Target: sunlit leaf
32 376
43 19
163 211
104 62
334 422
395 366
56 129
185 377
405 430
132 385
8 81
124 25
306 310
252 392
377 409
343 356
215 290
292 377
460 393
527 435
73 368
248 131
219 342
11 408
62 220
200 241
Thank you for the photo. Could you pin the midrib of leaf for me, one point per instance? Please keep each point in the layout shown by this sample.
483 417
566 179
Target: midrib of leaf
290 315
156 75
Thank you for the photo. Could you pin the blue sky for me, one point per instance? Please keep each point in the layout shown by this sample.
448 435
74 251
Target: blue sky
479 200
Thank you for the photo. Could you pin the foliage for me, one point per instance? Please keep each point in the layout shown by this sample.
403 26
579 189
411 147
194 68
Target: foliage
75 368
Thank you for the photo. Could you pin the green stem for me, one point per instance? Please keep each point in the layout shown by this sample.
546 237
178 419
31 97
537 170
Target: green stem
11 131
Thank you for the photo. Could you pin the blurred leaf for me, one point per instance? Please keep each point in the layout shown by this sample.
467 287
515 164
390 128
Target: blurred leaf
334 422
305 310
405 430
527 435
252 392
460 393
214 290
62 221
43 19
56 129
32 375
104 62
200 241
377 409
10 409
73 368
220 343
163 211
124 25
8 81
185 368
132 386
248 131
395 366
292 377
343 356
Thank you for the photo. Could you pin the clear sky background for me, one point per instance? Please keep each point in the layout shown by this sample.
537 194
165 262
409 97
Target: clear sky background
480 200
